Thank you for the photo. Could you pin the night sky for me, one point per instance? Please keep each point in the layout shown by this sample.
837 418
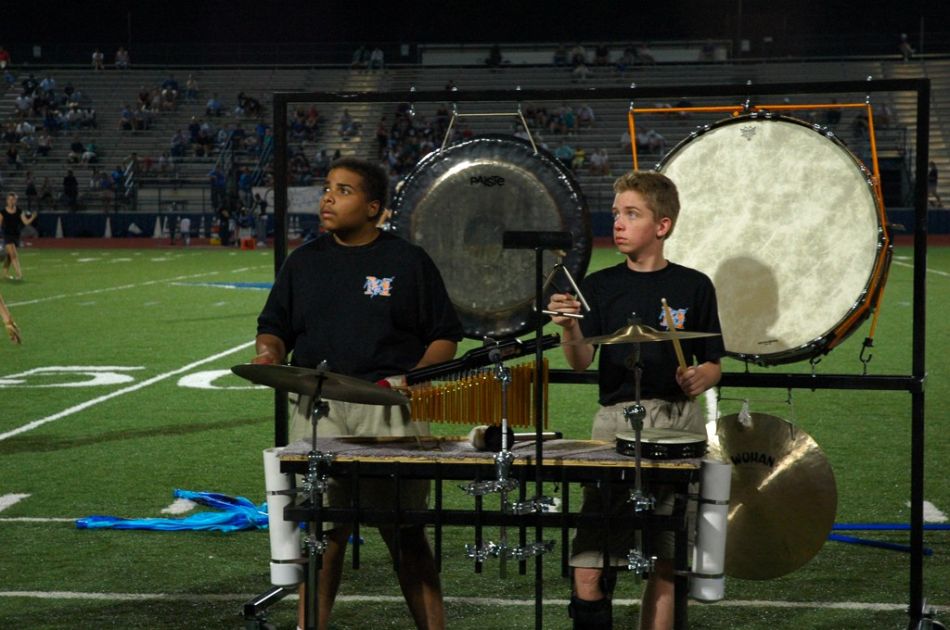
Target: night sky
28 21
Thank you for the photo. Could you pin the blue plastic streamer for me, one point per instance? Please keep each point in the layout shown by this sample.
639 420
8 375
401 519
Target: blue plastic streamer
234 514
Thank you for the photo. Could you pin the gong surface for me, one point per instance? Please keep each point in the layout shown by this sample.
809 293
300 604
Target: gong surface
457 203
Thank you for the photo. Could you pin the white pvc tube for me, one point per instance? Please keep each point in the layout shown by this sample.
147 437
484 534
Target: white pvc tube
285 567
707 581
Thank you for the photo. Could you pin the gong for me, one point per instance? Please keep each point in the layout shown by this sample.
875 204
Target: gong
456 204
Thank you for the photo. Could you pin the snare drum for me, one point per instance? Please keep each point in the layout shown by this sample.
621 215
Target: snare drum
662 444
787 223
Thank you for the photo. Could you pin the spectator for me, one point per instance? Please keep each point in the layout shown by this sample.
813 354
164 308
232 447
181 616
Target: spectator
376 59
178 144
122 61
98 60
245 185
260 222
348 126
933 176
213 106
248 105
185 228
46 199
71 190
218 181
164 163
579 160
578 55
600 162
494 57
580 73
76 149
601 55
191 89
44 144
650 141
30 191
585 116
360 58
906 50
13 157
565 154
90 154
4 58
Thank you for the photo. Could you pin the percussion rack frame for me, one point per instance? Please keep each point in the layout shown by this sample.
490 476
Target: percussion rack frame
913 382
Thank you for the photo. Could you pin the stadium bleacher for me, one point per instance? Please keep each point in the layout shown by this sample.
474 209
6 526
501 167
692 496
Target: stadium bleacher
185 186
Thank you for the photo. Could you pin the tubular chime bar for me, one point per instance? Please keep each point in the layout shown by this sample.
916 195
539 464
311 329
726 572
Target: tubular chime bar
474 397
479 357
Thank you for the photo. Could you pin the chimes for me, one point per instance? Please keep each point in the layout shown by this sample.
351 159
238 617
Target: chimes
475 398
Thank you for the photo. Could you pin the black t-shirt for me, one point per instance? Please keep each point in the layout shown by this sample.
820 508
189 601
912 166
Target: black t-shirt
617 292
12 224
370 311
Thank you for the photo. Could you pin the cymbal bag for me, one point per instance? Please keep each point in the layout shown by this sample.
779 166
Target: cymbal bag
285 566
707 583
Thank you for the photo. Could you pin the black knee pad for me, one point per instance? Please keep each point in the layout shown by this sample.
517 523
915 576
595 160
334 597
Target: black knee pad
591 615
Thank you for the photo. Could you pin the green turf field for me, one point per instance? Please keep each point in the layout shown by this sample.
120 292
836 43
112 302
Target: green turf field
102 411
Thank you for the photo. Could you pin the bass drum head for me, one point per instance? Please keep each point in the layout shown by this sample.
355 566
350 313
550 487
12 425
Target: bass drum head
786 223
457 203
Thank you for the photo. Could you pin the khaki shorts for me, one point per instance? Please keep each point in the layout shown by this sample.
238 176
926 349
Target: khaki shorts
355 419
588 543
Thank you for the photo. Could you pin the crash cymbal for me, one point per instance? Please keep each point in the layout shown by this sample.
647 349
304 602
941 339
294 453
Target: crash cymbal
638 333
783 496
305 381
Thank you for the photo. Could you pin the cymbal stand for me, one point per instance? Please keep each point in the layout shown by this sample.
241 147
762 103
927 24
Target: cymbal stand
642 502
503 484
315 485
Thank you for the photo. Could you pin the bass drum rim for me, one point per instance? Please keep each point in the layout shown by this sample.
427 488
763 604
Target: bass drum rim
572 207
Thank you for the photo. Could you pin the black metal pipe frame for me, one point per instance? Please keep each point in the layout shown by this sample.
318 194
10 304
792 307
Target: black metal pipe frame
912 383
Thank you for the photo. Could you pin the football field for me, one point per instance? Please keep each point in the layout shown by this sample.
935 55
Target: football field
121 393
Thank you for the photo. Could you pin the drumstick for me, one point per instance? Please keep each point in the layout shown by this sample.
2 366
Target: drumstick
668 316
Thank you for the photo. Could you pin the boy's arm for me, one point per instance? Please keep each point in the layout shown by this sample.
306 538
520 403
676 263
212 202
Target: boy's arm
578 357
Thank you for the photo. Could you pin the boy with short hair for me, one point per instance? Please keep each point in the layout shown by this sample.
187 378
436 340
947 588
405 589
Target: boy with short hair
645 209
374 307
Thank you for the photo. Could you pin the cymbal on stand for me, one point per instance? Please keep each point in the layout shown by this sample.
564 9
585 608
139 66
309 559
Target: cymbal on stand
306 381
638 333
783 496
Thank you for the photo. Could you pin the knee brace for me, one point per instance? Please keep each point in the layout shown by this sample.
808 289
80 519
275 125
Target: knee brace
591 615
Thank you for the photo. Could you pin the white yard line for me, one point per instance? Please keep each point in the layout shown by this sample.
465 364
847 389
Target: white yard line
476 601
123 287
120 392
929 270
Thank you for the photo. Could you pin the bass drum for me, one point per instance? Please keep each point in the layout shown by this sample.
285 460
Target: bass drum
457 203
787 223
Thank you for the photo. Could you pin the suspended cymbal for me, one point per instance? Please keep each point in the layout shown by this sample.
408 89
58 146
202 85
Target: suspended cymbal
783 497
306 381
637 333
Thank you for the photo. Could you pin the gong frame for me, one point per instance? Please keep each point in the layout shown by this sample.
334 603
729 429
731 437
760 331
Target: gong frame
911 382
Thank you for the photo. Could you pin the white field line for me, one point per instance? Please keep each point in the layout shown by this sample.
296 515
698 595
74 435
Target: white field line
11 499
123 287
125 390
477 601
929 270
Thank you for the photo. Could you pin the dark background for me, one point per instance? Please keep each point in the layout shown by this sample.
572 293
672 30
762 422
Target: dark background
791 25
